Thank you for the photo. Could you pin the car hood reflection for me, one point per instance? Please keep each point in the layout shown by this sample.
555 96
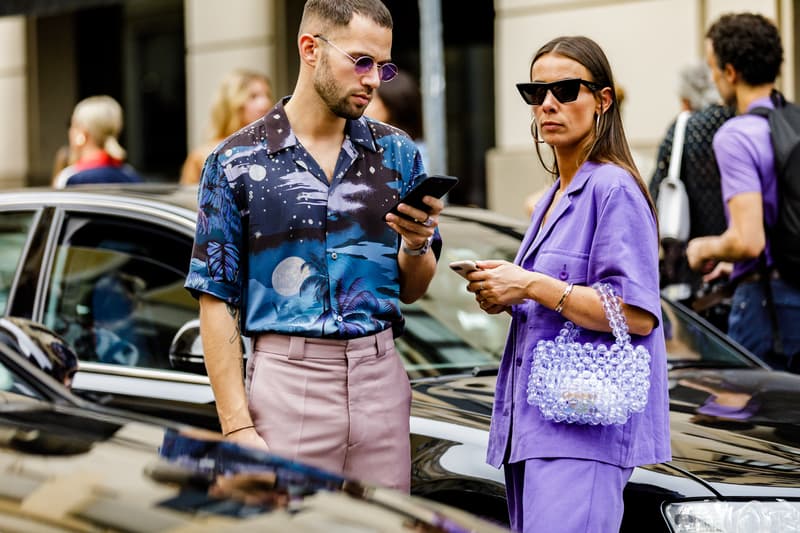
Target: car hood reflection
750 420
80 470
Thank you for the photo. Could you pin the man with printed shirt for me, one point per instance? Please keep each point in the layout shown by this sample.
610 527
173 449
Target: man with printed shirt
293 234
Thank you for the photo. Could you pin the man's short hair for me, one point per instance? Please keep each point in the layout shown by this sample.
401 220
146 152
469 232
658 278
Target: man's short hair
328 14
750 43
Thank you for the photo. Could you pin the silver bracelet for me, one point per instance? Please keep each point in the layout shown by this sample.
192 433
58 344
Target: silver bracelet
422 250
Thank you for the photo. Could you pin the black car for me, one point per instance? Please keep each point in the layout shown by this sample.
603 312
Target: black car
72 259
67 465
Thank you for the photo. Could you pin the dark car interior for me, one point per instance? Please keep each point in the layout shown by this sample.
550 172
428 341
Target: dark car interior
117 292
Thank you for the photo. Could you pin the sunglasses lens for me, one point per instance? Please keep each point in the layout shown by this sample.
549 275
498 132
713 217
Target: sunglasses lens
363 65
539 93
566 91
388 71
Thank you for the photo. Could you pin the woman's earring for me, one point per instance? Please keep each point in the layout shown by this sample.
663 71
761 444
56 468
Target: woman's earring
80 139
535 132
597 125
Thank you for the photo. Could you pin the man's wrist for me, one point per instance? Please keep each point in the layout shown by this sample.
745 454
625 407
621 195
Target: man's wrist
422 250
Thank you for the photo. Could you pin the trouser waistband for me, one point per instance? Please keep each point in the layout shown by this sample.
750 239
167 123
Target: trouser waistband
312 347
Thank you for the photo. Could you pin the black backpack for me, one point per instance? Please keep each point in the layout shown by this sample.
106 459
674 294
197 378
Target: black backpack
784 128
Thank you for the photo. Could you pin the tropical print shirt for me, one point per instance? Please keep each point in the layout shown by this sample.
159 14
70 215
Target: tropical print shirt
315 259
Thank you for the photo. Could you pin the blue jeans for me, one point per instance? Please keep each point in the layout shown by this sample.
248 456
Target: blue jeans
750 325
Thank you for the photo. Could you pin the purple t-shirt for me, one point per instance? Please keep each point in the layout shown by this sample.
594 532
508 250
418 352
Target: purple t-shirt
746 162
602 229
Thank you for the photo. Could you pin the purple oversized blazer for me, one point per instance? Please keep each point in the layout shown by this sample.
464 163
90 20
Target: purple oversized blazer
601 230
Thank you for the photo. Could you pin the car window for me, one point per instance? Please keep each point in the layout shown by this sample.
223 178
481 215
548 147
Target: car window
116 291
690 342
14 228
446 331
13 383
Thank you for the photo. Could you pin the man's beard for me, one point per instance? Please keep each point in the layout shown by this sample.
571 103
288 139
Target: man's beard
329 91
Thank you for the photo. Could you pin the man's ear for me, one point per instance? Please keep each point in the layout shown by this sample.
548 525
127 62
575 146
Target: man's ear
730 73
307 46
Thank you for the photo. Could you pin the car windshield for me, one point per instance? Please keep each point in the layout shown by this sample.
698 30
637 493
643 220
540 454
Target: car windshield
447 333
691 342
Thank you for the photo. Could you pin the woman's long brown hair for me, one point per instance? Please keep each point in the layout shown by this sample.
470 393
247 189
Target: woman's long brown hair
609 144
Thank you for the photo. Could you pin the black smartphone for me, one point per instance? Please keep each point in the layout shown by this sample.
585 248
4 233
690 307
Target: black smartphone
435 185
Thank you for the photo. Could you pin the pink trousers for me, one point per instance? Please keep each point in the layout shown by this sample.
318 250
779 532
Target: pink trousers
339 405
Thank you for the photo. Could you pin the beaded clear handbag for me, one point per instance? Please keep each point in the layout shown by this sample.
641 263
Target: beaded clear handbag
590 384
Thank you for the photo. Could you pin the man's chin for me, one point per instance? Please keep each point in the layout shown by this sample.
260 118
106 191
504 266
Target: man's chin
350 112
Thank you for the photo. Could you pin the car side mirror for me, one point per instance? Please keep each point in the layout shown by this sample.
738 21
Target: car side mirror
186 350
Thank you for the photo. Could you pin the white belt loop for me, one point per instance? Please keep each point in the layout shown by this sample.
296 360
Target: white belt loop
297 347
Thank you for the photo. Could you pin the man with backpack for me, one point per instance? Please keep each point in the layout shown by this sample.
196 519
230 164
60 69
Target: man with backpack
744 53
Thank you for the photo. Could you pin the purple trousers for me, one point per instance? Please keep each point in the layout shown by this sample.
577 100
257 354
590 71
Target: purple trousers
565 495
339 405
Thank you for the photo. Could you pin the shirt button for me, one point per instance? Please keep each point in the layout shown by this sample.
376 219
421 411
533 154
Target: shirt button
339 318
519 361
334 256
506 411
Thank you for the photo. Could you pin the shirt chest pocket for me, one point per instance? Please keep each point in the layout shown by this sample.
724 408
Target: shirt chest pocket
565 265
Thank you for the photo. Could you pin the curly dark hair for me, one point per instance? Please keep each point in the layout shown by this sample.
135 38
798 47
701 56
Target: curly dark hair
750 43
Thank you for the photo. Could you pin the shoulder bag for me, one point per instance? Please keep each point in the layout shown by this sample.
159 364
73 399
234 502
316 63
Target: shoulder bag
673 202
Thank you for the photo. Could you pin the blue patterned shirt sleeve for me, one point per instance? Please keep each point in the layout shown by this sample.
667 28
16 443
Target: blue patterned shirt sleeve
216 257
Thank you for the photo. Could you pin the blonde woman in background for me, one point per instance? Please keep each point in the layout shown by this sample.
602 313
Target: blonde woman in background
93 143
243 97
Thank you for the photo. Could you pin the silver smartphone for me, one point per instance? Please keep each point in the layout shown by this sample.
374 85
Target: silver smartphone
464 267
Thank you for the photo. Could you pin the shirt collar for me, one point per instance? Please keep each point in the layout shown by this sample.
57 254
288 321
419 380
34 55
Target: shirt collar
100 159
761 102
582 176
279 135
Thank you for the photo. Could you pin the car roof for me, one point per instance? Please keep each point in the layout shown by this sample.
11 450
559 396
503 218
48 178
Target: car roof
178 198
183 199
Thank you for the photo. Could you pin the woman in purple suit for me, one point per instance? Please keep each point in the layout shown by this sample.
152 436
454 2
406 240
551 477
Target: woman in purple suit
595 224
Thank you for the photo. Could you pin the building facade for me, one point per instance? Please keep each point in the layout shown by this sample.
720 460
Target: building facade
164 58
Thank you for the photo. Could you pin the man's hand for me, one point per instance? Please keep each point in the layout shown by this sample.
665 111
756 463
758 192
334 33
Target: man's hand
416 270
696 254
722 269
248 437
415 232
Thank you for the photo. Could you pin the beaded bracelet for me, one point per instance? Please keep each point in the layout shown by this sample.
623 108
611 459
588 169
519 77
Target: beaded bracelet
560 305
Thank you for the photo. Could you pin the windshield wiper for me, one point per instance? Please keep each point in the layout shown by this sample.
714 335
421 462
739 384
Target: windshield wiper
688 363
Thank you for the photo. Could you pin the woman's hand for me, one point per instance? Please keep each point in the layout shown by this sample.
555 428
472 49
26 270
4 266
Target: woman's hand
498 285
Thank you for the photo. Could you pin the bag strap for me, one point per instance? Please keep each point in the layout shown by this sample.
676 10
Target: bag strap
766 285
778 101
619 326
678 136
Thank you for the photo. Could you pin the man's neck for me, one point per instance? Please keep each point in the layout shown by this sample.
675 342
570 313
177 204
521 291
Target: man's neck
747 94
310 118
